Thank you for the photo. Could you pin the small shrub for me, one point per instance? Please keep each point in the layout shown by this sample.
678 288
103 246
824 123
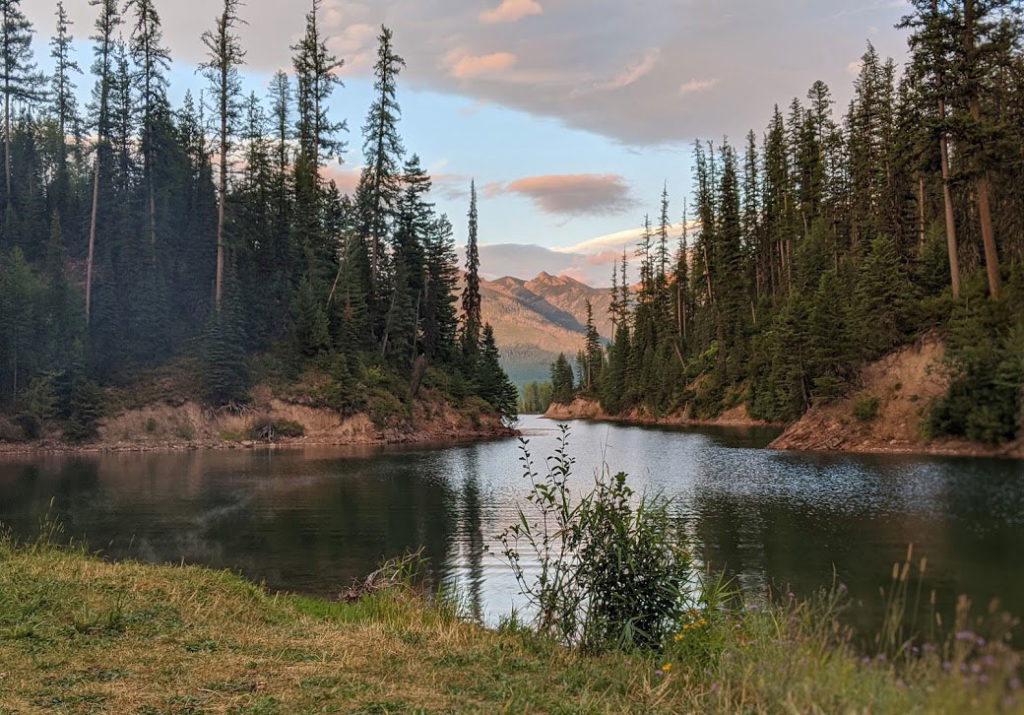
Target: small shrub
866 409
613 570
385 409
86 408
342 392
151 425
266 429
10 432
290 429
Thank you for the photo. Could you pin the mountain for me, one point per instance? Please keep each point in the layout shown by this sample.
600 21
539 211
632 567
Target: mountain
536 320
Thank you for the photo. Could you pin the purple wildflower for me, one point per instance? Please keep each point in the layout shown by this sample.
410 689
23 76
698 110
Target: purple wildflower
965 636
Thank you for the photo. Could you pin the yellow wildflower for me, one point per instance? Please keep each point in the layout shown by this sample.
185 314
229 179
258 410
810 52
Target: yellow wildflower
667 667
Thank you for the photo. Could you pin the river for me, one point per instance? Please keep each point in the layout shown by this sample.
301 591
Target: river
312 520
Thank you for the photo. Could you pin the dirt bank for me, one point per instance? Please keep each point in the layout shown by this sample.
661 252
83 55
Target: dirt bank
189 425
583 409
905 385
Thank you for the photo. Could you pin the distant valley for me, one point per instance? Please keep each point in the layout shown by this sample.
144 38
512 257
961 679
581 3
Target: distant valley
535 320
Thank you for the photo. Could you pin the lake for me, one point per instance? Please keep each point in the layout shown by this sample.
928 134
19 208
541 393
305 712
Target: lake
312 520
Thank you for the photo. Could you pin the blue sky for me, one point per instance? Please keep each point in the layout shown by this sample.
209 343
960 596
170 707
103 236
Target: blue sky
569 114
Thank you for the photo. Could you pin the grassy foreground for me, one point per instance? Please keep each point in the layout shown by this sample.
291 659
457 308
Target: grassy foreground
78 634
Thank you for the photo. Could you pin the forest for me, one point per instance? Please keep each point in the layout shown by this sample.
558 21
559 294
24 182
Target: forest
134 234
823 244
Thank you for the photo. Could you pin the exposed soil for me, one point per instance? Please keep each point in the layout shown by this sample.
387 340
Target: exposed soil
584 409
164 425
906 384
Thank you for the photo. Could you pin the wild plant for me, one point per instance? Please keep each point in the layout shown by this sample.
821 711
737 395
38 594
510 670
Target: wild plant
611 567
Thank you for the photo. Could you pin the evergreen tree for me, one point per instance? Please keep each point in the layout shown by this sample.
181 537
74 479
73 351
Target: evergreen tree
224 55
593 355
152 61
562 385
471 320
62 90
494 385
19 79
107 23
380 184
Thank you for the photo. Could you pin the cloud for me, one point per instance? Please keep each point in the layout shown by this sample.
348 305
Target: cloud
571 194
346 177
464 66
511 11
697 85
634 70
557 64
622 239
356 44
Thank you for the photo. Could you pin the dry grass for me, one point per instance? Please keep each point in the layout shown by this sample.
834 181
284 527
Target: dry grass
81 635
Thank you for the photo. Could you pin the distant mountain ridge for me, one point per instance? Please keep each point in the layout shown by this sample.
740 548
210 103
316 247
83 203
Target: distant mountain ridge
536 320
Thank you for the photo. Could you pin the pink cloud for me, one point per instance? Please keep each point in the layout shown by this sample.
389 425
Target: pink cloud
511 11
572 194
697 85
466 66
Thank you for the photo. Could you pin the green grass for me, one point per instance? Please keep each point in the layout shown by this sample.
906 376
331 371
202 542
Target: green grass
80 635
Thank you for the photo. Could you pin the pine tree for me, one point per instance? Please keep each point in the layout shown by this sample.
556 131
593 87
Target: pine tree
380 184
471 320
493 384
153 61
224 57
316 78
19 79
930 47
562 386
593 355
316 72
62 87
440 317
226 372
107 23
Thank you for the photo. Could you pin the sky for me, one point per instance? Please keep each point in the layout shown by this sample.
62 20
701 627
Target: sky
570 115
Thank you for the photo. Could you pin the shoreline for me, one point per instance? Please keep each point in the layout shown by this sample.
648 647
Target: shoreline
13 449
191 426
807 435
590 410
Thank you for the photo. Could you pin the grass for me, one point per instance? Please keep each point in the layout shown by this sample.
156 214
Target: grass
81 635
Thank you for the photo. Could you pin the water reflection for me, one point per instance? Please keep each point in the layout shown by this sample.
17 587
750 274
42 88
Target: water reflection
315 520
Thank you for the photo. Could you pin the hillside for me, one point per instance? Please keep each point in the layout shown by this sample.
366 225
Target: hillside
535 320
888 413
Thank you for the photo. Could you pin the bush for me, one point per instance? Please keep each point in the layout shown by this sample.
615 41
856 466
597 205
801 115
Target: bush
35 405
269 430
866 408
613 570
10 432
86 408
385 409
342 392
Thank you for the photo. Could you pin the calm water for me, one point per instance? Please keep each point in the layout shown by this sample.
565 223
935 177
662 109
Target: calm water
313 520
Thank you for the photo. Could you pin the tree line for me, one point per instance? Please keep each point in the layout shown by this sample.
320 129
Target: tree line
133 232
823 243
